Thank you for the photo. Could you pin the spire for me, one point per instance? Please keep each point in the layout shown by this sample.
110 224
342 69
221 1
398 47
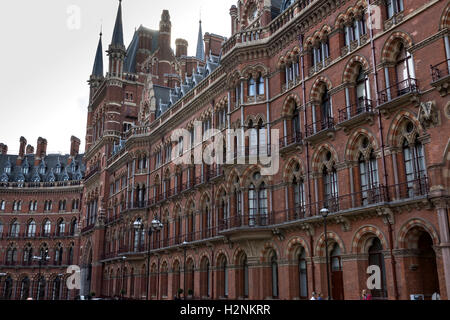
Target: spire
200 49
117 39
98 64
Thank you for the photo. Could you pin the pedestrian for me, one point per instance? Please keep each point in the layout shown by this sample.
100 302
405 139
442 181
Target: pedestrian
314 296
320 296
365 295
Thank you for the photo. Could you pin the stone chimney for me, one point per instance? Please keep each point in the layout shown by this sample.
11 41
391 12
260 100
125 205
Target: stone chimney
30 149
234 19
181 47
41 150
3 149
23 144
74 146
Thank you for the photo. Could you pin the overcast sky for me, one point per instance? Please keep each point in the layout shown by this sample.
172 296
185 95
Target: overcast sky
48 50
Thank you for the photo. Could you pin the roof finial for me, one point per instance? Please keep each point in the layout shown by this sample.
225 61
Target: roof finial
101 28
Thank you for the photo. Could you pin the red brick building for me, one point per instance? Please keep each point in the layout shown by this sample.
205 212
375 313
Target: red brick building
357 118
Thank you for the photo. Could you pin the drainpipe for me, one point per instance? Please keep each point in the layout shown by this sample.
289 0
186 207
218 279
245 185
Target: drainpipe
305 117
380 126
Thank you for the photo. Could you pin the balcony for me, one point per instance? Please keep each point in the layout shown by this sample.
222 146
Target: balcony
405 91
320 130
440 75
291 142
258 225
356 114
94 170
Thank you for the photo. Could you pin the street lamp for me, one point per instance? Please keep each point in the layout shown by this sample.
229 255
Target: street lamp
325 212
184 245
156 225
123 276
43 258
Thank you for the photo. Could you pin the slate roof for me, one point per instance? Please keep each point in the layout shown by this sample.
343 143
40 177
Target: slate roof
117 38
200 49
166 97
98 63
52 168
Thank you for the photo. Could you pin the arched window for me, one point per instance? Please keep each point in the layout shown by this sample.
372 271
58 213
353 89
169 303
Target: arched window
8 288
31 230
41 288
274 274
325 108
61 228
404 69
376 258
2 205
15 229
25 289
302 274
28 255
361 92
70 257
368 172
299 197
47 228
260 85
263 206
252 204
296 123
251 87
139 237
393 7
73 226
223 278
1 228
330 187
415 167
56 289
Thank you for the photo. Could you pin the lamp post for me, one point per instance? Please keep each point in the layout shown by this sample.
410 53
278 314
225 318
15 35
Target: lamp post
156 225
324 212
184 245
123 276
43 258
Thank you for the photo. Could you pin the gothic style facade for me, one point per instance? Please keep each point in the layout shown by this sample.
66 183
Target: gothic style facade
342 97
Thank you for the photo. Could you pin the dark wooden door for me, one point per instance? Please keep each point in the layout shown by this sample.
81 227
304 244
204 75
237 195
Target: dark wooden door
337 285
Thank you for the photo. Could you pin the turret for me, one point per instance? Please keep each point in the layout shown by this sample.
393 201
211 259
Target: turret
117 50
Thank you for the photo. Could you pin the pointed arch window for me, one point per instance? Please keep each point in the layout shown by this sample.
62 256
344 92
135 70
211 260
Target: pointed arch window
251 87
302 275
415 167
274 275
260 85
376 258
330 188
15 229
362 92
393 7
252 204
31 230
296 123
47 228
299 196
263 204
368 171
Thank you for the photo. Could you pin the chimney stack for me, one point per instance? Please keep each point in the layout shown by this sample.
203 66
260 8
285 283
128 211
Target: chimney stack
23 144
181 47
30 149
41 151
3 149
74 146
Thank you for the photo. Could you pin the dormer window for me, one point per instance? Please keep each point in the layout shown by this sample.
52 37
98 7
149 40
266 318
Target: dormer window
25 170
8 170
58 169
42 170
253 14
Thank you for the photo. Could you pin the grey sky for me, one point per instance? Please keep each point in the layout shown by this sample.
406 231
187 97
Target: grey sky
47 57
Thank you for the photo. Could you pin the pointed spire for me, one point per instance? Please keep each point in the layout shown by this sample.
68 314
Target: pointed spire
98 63
200 48
117 39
